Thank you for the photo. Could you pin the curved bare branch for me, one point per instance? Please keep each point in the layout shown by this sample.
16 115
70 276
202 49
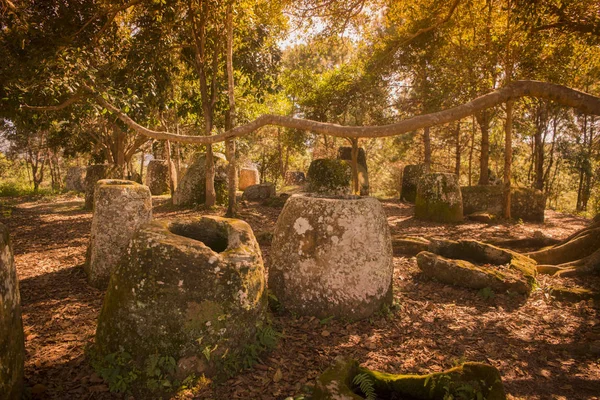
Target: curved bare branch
562 95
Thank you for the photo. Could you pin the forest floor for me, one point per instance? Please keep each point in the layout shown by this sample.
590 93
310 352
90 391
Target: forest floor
543 348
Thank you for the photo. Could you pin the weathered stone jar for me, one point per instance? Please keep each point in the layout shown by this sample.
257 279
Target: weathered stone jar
192 186
92 175
190 289
439 198
12 345
410 179
248 177
329 177
75 179
332 257
120 207
157 176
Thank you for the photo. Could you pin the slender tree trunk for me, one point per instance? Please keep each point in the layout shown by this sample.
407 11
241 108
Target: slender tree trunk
458 151
355 188
507 159
471 151
172 174
142 166
539 148
483 119
427 149
231 117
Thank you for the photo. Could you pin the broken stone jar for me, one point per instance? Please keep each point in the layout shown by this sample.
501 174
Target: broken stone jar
191 290
120 207
332 257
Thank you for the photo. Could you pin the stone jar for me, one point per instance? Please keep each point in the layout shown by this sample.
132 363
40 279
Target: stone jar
157 176
12 344
192 186
410 179
248 177
329 177
75 179
261 191
120 207
192 289
332 257
439 198
93 174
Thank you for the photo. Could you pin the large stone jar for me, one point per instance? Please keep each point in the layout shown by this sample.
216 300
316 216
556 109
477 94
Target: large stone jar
189 289
439 198
12 345
157 176
192 186
75 179
332 257
120 207
329 177
93 174
248 177
410 179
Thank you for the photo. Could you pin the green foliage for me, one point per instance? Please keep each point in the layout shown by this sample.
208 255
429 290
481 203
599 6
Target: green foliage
118 371
365 384
158 371
266 339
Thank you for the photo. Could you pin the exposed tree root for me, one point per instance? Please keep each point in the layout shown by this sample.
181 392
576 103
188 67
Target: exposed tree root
579 254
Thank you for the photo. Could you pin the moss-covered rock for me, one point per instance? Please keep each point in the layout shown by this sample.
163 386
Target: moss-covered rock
157 176
120 208
295 178
75 179
192 186
345 153
411 176
189 290
12 345
410 246
262 191
332 257
248 177
93 174
452 262
439 198
573 294
329 177
526 203
469 381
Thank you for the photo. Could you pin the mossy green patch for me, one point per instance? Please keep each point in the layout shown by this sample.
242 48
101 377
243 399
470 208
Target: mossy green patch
467 381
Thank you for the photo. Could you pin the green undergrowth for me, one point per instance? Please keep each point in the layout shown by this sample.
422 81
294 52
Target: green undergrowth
157 376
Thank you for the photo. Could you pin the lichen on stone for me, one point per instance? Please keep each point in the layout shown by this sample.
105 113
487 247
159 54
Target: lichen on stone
331 256
331 177
192 289
12 347
439 198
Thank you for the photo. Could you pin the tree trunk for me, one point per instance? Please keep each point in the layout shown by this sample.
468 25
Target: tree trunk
458 151
506 203
483 119
230 119
427 149
355 188
472 147
172 175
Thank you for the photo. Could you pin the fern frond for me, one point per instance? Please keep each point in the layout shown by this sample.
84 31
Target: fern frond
365 384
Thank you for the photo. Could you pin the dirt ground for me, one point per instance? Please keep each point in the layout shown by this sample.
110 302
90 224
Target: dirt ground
543 348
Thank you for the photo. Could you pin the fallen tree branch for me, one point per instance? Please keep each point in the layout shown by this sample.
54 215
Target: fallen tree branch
562 95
